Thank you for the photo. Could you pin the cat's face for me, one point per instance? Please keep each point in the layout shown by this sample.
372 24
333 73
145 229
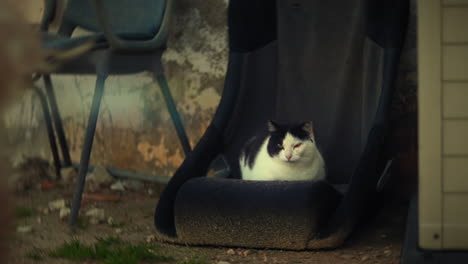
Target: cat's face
290 142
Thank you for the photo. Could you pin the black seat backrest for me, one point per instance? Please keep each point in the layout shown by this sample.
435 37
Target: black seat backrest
324 62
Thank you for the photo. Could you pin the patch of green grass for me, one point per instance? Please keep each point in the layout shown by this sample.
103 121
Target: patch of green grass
73 250
117 225
23 212
195 261
35 254
110 250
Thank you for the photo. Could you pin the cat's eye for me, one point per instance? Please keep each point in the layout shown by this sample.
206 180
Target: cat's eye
280 146
297 145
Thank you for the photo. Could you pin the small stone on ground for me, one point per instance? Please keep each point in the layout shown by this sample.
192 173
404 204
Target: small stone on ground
117 186
99 176
150 239
57 204
133 185
64 212
68 174
96 215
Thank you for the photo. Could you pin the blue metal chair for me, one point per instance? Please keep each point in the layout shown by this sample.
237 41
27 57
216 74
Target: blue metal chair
129 36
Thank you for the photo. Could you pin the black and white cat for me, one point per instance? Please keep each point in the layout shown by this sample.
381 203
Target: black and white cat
285 152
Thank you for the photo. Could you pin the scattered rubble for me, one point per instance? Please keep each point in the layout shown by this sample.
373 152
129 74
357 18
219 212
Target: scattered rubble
96 216
64 213
100 176
150 239
57 204
243 253
117 186
69 175
110 221
133 185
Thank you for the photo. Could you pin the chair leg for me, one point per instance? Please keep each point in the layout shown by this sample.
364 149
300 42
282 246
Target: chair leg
50 130
57 121
86 152
173 112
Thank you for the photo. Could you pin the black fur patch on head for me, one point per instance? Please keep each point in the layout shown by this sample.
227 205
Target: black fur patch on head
279 130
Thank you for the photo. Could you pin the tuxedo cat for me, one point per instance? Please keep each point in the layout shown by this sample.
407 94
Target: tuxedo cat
286 152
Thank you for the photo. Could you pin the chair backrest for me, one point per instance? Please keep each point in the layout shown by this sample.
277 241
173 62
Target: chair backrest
138 19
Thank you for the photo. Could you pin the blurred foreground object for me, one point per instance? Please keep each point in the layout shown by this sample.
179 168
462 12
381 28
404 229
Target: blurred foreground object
19 56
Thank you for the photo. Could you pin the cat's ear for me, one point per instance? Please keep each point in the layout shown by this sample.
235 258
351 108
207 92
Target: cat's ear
309 128
272 126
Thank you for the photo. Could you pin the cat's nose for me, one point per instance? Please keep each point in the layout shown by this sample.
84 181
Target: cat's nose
289 156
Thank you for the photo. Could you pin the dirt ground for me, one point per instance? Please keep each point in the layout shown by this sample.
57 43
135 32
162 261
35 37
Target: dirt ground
379 241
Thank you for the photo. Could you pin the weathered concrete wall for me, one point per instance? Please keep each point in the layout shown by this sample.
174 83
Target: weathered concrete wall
134 130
